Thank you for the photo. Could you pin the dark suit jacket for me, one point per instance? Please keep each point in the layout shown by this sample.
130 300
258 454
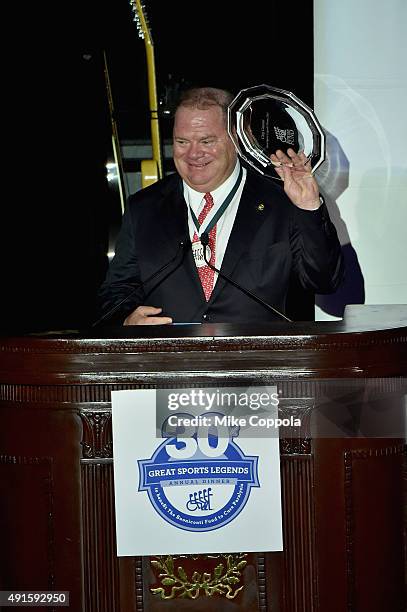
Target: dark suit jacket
267 245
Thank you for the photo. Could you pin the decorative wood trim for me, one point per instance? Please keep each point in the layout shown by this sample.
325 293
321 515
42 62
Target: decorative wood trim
299 558
100 394
262 582
101 565
224 342
205 579
97 434
138 574
296 440
295 446
86 394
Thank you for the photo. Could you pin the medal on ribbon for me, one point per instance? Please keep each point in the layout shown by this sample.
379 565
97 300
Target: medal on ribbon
198 253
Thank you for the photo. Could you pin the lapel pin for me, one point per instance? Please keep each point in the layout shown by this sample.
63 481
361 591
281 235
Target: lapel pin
260 207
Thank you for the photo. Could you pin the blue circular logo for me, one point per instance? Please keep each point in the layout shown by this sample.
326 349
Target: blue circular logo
199 483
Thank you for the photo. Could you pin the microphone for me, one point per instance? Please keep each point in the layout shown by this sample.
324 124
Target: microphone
183 245
205 241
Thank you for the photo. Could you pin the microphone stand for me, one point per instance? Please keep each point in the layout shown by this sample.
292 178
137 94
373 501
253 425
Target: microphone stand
205 241
181 246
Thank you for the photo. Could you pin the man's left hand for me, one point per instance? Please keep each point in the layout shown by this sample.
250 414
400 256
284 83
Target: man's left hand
299 182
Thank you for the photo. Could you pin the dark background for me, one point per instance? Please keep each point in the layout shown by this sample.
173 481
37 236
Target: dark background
55 195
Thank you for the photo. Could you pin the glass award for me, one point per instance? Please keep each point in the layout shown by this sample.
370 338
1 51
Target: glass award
263 119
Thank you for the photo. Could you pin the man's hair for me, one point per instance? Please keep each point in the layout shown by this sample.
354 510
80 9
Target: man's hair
205 97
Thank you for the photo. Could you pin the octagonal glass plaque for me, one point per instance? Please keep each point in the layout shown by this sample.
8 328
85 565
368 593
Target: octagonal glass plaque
263 119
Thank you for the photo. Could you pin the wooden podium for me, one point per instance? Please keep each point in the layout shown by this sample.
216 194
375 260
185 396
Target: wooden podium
342 495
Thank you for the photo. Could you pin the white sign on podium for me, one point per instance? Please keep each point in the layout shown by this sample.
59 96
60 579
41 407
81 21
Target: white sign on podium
196 471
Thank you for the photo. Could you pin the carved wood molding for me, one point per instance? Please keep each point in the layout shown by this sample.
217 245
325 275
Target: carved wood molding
101 565
101 393
296 440
138 574
97 441
299 557
61 393
262 582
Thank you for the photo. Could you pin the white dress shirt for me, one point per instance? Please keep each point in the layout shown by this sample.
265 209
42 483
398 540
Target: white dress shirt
195 200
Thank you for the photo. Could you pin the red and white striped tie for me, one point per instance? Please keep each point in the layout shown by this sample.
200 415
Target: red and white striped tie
206 274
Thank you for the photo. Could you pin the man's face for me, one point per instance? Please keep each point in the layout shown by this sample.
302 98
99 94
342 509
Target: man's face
204 155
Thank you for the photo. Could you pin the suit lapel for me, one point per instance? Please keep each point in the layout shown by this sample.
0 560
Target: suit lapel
173 221
174 225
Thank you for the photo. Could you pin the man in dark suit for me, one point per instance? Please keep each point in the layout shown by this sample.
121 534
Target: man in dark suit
259 233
